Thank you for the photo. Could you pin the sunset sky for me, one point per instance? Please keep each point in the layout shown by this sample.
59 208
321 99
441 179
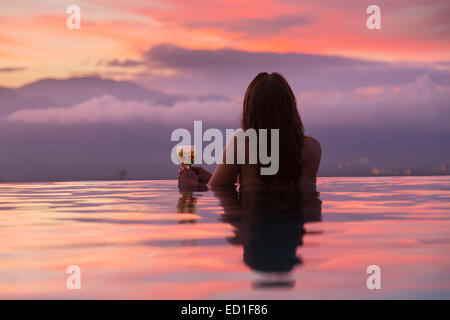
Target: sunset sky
115 35
88 103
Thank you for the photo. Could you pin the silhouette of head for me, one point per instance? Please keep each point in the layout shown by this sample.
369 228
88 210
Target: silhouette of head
270 103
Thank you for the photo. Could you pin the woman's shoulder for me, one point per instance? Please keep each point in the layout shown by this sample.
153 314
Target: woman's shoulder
312 155
312 144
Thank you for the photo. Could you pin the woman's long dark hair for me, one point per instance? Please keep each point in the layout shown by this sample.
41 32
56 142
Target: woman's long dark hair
269 103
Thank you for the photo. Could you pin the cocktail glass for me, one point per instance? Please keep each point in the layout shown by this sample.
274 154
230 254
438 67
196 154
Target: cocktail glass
186 155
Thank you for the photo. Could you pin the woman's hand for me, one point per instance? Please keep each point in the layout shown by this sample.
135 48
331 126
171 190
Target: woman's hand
203 174
193 178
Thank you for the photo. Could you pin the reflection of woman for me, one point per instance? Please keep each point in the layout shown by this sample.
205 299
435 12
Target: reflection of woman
269 103
269 225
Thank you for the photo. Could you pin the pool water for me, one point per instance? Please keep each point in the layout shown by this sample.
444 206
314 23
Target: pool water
149 240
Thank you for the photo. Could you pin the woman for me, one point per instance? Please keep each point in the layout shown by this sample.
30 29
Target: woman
269 103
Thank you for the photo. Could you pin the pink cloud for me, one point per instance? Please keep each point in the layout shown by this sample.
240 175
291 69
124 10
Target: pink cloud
398 106
109 109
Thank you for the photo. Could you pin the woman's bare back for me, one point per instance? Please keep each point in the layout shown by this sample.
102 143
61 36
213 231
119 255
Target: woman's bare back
312 152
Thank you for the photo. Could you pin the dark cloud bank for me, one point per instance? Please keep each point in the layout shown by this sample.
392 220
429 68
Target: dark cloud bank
366 114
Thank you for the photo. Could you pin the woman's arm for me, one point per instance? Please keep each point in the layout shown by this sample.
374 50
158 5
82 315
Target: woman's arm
226 174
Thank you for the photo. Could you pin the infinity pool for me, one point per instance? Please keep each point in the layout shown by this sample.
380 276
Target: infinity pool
148 240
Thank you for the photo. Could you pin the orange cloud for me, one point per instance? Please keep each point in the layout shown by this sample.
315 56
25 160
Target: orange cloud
121 30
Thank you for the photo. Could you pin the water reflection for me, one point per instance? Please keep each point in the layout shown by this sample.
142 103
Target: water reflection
127 238
269 225
186 204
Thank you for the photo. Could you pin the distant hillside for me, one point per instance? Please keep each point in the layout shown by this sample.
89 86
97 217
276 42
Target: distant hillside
60 93
67 92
